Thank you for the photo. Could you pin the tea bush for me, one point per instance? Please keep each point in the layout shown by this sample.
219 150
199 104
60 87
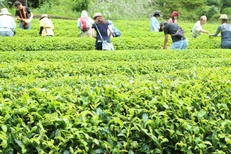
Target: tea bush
68 98
141 101
135 35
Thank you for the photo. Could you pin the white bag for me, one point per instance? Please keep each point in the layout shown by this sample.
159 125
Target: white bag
107 46
28 20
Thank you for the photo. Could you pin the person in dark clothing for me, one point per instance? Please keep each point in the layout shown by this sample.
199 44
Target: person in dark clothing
179 42
24 15
101 26
225 30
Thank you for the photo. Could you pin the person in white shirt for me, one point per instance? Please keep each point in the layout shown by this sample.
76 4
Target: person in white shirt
197 28
7 23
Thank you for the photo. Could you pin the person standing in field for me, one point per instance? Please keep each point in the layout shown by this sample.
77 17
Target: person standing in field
197 28
115 30
101 27
7 23
179 42
46 26
174 17
154 24
24 15
225 30
84 23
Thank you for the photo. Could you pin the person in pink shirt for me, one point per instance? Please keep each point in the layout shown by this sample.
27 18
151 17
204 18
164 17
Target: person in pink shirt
173 18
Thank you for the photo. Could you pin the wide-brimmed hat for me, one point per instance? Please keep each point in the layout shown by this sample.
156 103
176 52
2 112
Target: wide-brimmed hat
4 11
224 16
161 24
43 16
157 13
98 14
174 13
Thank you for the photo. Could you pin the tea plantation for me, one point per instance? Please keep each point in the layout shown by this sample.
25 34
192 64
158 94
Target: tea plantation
59 95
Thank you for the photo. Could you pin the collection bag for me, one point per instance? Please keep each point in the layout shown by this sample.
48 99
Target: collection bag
107 46
179 33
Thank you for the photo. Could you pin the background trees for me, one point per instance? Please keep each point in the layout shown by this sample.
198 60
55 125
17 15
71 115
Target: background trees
131 9
192 10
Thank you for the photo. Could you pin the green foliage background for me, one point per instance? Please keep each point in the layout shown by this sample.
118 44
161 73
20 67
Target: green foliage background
138 9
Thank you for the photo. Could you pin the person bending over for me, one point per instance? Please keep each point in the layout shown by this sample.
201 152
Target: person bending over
46 26
179 42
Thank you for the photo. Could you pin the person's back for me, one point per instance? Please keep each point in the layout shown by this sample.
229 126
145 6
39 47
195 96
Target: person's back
46 26
7 23
179 42
102 29
84 23
172 28
226 32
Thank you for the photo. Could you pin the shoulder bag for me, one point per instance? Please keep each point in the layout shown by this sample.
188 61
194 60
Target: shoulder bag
179 33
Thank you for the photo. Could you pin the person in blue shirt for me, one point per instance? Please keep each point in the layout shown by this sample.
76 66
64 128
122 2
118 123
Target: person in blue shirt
225 30
154 25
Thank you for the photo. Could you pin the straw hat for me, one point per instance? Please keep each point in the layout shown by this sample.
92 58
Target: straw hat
224 16
98 14
4 11
43 16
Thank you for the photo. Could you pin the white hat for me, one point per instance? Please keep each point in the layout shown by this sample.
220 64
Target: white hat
43 16
224 16
4 11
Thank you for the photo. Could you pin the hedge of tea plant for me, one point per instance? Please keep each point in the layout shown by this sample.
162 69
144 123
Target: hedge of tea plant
141 101
135 36
66 43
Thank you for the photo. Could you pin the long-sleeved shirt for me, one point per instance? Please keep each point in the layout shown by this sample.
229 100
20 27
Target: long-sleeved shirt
154 24
225 30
